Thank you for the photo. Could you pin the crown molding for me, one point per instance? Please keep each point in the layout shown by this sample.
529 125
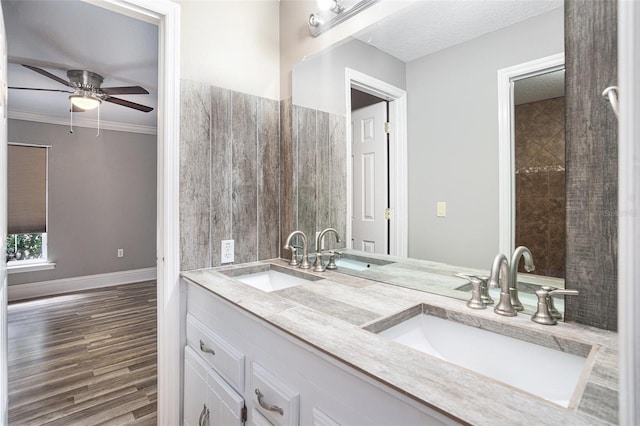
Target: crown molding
83 122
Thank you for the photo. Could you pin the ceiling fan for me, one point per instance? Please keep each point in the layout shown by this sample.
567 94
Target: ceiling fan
86 92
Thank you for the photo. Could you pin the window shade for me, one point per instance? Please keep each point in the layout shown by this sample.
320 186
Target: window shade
27 192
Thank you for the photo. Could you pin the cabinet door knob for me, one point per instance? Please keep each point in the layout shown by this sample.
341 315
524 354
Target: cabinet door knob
204 348
204 416
266 406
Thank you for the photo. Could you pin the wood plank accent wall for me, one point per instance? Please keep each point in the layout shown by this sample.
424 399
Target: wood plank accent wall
591 157
313 180
229 188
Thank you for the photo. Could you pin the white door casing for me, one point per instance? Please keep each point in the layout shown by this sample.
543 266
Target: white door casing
4 389
398 179
369 159
165 14
506 138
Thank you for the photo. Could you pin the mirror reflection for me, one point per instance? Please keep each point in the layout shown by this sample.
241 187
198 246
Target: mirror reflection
446 66
539 148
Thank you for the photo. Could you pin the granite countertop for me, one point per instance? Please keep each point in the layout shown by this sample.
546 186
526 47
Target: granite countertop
330 313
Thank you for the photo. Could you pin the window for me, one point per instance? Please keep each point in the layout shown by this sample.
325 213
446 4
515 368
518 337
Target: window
27 204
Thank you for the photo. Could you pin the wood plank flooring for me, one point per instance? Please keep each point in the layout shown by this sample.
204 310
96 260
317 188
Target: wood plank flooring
84 358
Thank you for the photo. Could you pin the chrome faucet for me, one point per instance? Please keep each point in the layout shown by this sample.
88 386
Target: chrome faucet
304 264
500 277
317 266
528 266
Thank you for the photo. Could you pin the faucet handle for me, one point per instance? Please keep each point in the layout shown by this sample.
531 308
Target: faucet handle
552 308
294 259
476 301
543 314
332 260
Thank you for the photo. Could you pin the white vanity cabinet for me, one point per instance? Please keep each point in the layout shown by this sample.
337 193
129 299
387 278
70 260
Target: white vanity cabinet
290 383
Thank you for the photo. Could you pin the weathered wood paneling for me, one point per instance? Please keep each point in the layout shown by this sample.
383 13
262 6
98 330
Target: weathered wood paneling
268 120
591 169
221 226
244 175
307 173
288 175
195 109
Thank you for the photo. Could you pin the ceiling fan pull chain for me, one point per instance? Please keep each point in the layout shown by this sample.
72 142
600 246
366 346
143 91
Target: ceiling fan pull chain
98 121
71 122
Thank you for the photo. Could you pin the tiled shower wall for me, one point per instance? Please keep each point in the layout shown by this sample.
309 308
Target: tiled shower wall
313 173
540 183
229 168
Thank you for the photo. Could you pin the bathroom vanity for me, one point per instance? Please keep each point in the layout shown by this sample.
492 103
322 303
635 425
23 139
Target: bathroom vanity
305 348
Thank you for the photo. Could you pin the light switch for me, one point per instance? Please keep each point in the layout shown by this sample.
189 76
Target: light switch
441 207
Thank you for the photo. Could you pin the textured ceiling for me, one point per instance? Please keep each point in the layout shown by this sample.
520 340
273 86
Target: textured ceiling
432 25
71 34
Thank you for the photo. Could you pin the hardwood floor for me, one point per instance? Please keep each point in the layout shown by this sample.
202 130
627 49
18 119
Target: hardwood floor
85 358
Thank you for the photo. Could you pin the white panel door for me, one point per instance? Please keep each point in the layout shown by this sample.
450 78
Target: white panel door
369 151
4 400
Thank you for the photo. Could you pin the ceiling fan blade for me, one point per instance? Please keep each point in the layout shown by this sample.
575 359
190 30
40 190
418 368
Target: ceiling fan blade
128 104
48 74
41 90
126 90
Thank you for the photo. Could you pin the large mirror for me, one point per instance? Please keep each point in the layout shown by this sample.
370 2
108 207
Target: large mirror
434 66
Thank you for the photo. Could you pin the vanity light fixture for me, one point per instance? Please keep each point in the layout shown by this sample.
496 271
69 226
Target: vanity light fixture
333 12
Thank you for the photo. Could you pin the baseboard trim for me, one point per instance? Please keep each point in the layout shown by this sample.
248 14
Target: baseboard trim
67 285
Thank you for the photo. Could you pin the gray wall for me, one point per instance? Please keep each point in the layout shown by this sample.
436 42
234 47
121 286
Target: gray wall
319 81
453 139
102 197
229 175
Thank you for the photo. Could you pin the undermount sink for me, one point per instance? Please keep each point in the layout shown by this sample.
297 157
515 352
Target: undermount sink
549 368
356 265
269 277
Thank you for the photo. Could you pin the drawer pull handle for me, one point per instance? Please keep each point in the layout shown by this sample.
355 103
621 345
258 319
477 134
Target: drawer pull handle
204 416
266 406
204 348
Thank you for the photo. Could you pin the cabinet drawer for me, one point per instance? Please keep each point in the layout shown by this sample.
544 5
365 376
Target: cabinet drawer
273 398
221 355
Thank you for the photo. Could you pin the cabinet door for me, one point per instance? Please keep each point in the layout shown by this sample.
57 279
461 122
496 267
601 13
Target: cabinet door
195 388
226 405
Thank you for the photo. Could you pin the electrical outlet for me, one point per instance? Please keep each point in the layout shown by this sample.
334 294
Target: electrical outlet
441 207
120 252
226 251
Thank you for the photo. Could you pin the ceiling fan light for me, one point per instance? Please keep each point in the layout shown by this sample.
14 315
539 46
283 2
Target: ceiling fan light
85 102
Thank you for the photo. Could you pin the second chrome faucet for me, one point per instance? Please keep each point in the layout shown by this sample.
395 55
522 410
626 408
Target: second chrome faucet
505 276
318 266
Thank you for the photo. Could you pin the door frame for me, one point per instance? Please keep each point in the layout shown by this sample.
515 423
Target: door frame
166 15
506 141
629 211
398 178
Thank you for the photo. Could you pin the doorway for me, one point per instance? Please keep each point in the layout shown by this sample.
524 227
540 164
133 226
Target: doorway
370 165
166 15
396 102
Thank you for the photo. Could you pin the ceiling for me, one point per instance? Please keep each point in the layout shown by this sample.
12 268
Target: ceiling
428 26
70 34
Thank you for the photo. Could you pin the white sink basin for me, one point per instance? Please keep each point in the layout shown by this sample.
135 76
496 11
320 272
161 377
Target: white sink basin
548 373
353 264
269 279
